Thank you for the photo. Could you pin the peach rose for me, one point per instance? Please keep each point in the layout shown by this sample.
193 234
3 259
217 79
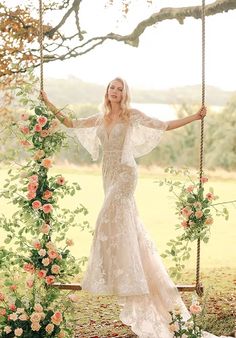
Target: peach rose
25 130
209 220
47 194
184 224
13 316
195 309
35 326
2 297
52 254
18 332
186 212
50 245
3 312
23 317
44 133
24 117
13 287
56 318
29 267
35 317
36 205
42 120
69 242
39 154
47 163
45 228
42 274
50 280
37 128
46 261
36 244
49 328
30 283
47 208
60 180
7 329
38 307
199 213
61 334
197 205
25 143
33 178
174 327
42 252
55 269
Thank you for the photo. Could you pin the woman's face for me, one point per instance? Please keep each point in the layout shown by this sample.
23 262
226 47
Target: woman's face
115 91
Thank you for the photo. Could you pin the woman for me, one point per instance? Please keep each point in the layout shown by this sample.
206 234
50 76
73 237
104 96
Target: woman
123 260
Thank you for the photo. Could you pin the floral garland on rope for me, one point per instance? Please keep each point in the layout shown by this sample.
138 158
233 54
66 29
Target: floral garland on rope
194 208
29 306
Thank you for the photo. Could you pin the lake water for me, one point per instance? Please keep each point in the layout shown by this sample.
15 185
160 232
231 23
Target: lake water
164 112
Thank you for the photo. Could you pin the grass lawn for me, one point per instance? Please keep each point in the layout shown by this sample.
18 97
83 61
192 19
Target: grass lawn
98 316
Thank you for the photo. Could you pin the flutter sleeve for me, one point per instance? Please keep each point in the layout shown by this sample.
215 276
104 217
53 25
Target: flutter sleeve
85 130
146 133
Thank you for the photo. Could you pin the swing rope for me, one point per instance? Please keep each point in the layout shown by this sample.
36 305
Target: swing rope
198 284
41 36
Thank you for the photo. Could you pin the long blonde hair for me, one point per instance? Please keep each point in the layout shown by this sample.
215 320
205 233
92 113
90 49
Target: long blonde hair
124 104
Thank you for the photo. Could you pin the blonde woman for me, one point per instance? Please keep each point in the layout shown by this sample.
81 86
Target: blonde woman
123 259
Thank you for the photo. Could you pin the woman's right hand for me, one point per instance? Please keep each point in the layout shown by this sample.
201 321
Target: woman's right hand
43 97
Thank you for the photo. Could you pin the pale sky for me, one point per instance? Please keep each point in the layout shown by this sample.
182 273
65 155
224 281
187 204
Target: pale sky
168 55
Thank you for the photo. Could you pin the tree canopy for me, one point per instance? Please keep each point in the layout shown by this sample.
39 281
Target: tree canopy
19 27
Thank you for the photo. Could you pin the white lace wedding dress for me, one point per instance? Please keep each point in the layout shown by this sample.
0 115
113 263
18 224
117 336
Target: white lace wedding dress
123 259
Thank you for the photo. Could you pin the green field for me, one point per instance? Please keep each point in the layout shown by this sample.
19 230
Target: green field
157 211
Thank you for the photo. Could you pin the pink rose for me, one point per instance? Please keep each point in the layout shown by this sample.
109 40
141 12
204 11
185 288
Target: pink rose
195 309
18 332
60 180
28 267
13 316
184 224
47 194
36 244
50 280
25 143
25 130
33 186
186 212
2 297
30 283
210 196
204 179
24 117
37 128
47 208
45 228
13 287
42 120
47 163
31 195
190 188
12 307
42 274
55 269
23 317
49 328
199 213
36 205
33 178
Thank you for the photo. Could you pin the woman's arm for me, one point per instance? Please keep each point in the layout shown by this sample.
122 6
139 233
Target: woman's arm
87 122
174 124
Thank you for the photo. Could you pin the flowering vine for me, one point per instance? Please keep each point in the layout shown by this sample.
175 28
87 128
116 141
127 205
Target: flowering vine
36 233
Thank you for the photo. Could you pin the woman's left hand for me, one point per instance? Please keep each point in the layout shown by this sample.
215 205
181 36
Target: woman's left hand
201 113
